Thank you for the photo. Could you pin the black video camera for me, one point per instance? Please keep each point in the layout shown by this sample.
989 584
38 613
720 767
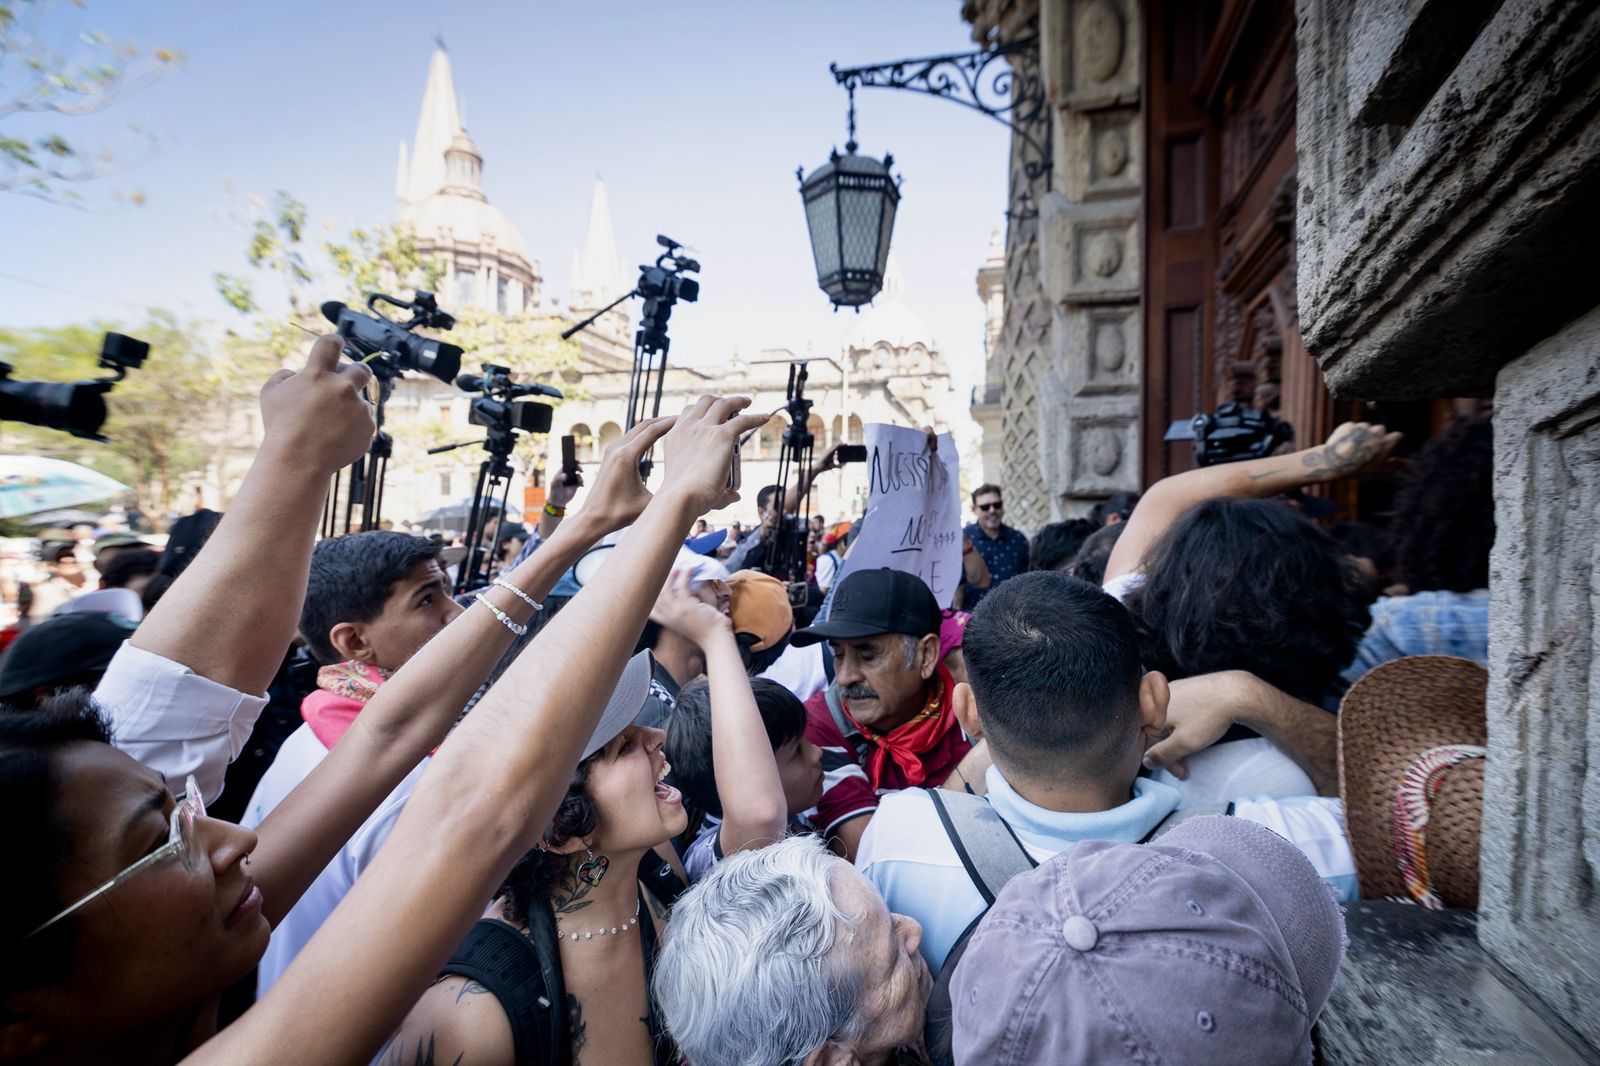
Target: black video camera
78 407
497 407
661 286
1235 433
390 347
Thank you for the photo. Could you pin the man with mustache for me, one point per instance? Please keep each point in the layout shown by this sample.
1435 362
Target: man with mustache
886 722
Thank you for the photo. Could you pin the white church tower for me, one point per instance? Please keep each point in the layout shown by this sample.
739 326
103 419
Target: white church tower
439 190
597 277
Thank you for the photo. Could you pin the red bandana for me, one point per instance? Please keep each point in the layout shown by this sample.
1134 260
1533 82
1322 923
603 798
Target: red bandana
907 743
342 690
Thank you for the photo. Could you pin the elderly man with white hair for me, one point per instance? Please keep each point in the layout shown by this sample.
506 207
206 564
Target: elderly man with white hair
787 955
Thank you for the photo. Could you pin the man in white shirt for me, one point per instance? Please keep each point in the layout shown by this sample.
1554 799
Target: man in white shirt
1057 690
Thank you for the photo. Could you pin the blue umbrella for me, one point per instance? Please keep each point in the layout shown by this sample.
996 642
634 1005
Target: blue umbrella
31 483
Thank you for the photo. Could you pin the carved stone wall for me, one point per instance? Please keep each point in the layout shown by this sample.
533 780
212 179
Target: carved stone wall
1069 353
1541 820
1449 204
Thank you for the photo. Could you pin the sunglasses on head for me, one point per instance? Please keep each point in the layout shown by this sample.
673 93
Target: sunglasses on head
991 506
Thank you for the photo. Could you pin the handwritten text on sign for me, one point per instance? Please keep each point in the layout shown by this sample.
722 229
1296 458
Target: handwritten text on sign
913 509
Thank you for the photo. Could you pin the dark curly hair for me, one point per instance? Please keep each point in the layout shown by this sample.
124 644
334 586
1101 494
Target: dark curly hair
1443 523
537 872
1251 585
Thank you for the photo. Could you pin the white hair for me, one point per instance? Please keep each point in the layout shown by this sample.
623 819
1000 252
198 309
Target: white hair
746 975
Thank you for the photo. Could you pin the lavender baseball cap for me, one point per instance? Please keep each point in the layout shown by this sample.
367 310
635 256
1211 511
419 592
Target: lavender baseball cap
1218 944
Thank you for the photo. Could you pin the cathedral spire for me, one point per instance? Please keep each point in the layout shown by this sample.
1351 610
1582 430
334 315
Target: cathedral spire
597 269
437 126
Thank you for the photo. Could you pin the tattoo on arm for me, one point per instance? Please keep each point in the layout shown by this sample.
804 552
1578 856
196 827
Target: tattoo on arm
423 1055
471 988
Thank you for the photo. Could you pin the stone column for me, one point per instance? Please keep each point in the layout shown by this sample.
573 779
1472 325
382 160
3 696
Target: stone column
1091 244
1066 366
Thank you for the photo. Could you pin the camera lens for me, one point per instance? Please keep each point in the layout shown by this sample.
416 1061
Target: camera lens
441 360
77 407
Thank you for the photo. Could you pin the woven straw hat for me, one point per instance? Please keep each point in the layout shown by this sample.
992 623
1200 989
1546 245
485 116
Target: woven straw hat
1389 719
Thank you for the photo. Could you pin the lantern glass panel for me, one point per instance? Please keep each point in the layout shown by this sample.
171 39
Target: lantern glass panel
823 222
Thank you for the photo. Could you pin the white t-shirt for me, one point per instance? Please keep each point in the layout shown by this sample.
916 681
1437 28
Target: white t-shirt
173 720
300 755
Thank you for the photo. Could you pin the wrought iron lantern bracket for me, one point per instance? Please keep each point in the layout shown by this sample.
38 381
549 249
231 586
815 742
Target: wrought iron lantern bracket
1012 94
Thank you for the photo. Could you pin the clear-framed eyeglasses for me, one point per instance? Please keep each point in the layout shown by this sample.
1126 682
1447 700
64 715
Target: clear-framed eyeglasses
180 842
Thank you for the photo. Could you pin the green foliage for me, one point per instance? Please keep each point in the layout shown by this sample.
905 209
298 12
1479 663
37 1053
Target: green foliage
50 66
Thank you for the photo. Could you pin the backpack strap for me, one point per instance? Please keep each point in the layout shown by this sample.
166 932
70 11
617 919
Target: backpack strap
992 855
1177 818
989 851
505 962
657 875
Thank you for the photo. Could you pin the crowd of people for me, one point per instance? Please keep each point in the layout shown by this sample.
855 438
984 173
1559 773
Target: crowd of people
632 802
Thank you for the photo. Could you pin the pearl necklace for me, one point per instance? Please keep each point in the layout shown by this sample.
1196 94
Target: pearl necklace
615 930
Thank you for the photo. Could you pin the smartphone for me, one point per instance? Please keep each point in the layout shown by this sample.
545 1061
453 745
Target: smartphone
569 461
852 453
735 474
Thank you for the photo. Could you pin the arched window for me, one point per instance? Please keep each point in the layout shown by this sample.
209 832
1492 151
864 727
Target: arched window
857 433
819 433
582 440
610 433
838 429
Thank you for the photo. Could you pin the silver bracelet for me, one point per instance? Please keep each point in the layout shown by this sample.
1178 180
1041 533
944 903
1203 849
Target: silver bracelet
518 593
517 629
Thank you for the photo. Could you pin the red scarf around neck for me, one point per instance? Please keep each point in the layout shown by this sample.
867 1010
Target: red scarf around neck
907 743
342 690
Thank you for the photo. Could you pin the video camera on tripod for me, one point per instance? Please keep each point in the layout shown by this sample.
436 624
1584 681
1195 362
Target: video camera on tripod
76 407
389 349
661 285
786 558
500 407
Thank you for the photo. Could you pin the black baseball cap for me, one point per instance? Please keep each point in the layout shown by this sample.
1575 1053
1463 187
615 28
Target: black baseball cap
60 648
871 602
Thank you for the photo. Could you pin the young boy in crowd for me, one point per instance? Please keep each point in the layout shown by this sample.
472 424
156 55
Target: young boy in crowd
695 747
737 746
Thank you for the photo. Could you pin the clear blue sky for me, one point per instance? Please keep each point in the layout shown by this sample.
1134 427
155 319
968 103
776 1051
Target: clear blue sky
696 114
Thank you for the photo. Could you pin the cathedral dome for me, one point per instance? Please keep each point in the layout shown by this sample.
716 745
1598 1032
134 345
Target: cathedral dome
448 217
890 320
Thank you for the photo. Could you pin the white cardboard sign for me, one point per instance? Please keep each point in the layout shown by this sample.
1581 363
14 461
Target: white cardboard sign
913 518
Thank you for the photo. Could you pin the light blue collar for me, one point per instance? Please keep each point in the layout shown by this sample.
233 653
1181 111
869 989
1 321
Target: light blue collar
1057 830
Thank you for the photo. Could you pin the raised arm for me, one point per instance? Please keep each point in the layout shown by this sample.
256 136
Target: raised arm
1349 449
754 811
492 788
413 711
1202 708
232 614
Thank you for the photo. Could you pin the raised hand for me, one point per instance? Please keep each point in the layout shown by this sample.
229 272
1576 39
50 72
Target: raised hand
319 416
680 610
1353 448
617 496
699 450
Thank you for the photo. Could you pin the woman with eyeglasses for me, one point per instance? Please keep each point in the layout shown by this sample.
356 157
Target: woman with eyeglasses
125 914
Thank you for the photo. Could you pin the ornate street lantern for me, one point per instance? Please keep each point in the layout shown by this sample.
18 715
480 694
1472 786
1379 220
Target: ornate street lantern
850 206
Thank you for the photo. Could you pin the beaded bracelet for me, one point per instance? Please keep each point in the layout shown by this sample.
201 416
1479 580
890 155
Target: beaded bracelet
516 628
518 593
553 511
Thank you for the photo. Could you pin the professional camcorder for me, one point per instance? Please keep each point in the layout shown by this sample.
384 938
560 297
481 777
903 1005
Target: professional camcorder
1235 433
390 347
78 407
497 406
